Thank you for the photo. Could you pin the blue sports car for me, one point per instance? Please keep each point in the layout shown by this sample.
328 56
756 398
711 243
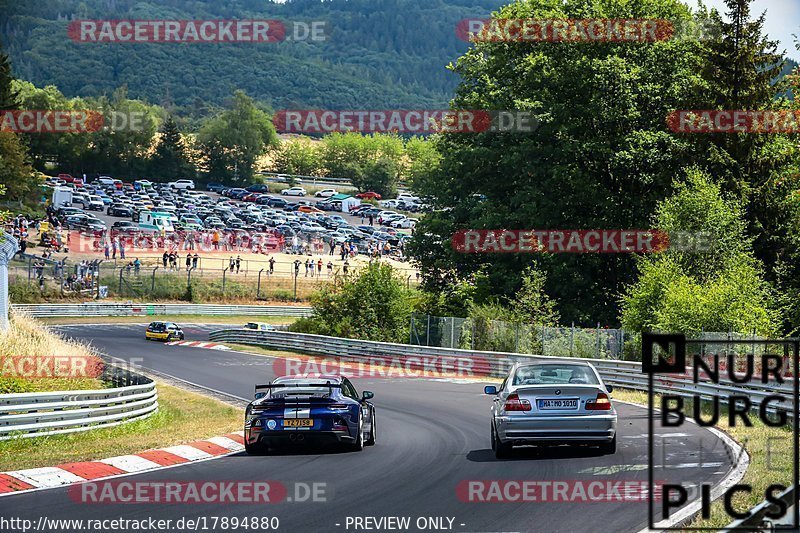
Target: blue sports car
291 410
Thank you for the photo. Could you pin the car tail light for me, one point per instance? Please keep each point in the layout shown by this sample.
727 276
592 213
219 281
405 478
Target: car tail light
513 403
601 403
339 406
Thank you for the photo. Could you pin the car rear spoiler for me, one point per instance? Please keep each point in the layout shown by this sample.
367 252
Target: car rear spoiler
261 390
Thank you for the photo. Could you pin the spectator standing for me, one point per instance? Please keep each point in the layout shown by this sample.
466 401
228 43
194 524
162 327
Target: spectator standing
319 267
271 265
296 267
345 267
188 261
106 250
330 268
306 265
121 248
231 264
164 259
238 263
136 266
195 259
114 246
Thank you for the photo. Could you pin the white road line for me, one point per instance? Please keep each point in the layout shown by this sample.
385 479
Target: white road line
187 452
131 463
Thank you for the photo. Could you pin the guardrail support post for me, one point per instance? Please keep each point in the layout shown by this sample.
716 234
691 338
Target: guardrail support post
153 281
295 284
120 281
224 272
258 287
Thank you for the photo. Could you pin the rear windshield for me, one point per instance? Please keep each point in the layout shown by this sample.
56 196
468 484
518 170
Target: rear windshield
158 326
555 374
251 325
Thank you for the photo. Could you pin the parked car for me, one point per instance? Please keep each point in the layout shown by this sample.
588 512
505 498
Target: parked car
294 191
369 195
325 193
215 187
257 187
181 185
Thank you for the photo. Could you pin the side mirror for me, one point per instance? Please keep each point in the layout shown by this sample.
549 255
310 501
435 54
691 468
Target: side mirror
490 389
366 395
609 388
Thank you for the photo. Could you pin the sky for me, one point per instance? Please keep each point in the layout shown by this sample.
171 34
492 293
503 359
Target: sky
782 20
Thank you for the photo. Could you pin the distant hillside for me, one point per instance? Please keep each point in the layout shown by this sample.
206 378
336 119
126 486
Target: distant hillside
380 53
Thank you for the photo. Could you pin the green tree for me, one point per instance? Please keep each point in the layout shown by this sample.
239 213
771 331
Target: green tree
601 156
8 94
422 161
719 289
233 140
531 304
374 305
297 156
169 161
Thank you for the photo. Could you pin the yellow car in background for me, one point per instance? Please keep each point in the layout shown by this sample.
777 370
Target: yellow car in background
163 331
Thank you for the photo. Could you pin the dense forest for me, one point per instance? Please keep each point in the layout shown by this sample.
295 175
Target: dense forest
377 53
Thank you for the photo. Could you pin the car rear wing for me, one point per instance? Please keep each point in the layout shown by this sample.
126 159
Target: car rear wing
262 390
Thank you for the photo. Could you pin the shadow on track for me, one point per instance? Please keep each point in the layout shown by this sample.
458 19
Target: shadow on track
535 453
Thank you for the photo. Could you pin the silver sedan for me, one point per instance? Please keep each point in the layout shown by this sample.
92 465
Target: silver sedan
550 403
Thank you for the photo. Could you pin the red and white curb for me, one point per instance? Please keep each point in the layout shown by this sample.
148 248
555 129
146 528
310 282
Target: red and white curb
199 344
17 481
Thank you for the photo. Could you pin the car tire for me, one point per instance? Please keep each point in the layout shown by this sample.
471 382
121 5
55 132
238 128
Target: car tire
609 448
372 431
358 445
501 449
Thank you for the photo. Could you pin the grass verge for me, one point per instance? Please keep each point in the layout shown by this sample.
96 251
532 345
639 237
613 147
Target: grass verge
188 319
182 417
769 448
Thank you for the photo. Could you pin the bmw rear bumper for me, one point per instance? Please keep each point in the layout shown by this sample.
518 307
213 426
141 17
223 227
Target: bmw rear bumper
526 429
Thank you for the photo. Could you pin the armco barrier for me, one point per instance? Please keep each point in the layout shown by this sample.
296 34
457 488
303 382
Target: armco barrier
626 374
147 309
51 413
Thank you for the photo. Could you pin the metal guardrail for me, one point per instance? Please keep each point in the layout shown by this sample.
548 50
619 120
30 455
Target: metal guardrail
627 374
149 309
38 414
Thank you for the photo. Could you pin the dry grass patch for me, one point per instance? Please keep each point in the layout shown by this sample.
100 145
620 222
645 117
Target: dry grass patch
26 337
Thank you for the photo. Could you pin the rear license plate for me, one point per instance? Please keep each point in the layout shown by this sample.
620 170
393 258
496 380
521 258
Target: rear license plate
298 423
558 404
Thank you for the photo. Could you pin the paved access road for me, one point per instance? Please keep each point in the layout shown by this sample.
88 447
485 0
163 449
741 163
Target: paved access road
432 435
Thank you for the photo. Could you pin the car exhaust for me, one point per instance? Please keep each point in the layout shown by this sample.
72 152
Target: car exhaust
293 437
300 437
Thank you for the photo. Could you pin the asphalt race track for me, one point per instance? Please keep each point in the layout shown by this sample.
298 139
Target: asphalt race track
432 434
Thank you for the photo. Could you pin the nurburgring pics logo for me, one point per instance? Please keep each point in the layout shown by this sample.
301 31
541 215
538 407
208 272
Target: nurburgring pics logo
195 31
564 30
578 241
415 121
669 354
734 121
